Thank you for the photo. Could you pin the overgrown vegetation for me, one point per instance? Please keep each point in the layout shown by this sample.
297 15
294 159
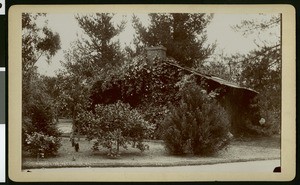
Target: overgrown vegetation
146 86
118 101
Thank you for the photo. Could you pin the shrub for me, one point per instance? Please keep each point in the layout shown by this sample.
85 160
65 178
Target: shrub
40 136
199 125
114 126
41 145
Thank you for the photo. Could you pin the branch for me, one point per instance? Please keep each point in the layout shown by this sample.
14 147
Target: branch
262 53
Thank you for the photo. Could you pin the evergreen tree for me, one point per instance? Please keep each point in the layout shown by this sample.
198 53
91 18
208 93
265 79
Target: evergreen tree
183 34
99 44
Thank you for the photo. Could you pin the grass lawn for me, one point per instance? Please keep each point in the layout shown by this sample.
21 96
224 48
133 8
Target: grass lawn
237 151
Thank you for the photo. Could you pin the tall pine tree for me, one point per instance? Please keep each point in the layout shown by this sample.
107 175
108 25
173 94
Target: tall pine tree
183 34
100 31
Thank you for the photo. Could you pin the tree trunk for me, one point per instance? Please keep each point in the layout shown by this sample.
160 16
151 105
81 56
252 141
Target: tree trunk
118 146
74 128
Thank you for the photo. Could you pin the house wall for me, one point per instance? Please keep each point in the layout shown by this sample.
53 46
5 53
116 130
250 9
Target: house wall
238 103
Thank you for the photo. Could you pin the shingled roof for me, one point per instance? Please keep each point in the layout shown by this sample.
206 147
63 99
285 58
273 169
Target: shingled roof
210 77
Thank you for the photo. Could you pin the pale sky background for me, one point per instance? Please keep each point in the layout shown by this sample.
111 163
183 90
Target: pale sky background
219 30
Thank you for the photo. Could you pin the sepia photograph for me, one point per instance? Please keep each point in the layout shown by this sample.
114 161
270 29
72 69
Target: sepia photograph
153 91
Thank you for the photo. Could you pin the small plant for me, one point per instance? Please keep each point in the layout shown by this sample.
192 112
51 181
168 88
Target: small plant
199 125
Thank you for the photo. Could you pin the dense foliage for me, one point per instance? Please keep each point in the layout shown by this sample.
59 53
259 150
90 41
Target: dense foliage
199 125
137 81
114 126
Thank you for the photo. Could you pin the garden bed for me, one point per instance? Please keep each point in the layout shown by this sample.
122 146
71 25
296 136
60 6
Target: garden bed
238 151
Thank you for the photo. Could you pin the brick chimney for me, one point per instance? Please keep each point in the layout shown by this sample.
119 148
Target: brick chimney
156 51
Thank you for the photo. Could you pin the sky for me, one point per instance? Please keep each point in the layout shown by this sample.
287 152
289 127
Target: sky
219 31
